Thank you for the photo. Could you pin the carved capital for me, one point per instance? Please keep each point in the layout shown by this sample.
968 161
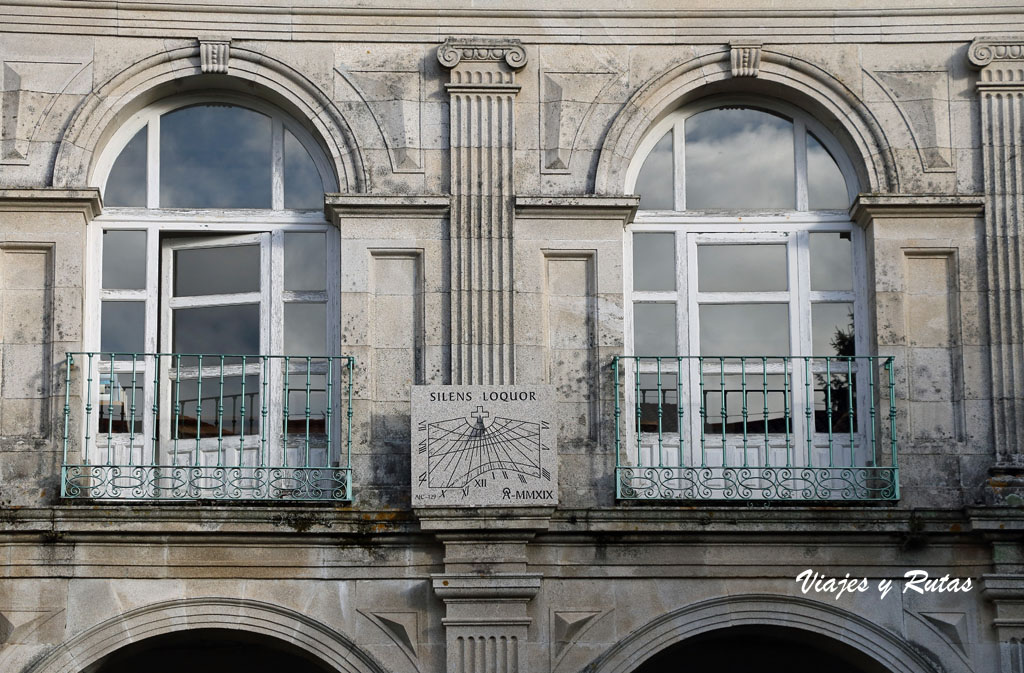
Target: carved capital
746 58
1000 59
214 55
455 51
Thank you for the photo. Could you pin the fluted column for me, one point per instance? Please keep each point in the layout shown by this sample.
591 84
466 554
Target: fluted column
482 90
1001 90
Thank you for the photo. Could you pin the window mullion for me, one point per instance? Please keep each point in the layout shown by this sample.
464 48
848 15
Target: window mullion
153 163
679 163
800 155
800 302
277 164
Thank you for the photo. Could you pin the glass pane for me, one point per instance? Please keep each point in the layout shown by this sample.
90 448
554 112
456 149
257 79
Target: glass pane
123 326
832 329
650 396
835 400
826 187
217 329
305 262
303 189
124 260
654 183
297 401
233 420
224 270
739 159
117 397
752 389
831 261
126 184
654 329
215 156
733 268
654 262
305 328
744 329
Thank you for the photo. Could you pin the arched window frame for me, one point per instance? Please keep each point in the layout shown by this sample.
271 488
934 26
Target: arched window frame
207 227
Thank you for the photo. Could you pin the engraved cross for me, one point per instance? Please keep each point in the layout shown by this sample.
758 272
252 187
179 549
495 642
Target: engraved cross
480 413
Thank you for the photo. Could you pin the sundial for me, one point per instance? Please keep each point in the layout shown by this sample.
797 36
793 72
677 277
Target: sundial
483 445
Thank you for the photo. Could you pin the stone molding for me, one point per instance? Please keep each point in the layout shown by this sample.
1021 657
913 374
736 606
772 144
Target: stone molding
337 651
801 81
24 199
166 72
873 641
454 51
391 205
214 55
604 207
1000 59
866 207
746 58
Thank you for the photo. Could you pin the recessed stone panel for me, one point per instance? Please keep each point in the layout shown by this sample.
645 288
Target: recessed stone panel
483 446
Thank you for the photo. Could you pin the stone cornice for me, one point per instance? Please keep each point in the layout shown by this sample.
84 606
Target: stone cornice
27 199
869 206
604 207
392 205
1000 59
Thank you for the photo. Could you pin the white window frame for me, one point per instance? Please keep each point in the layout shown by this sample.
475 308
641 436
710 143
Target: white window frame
155 221
735 226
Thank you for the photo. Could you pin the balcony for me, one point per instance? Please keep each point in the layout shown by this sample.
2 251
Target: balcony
755 428
176 426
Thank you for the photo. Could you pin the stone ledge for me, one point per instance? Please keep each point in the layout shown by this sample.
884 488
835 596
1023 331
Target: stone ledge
394 205
47 199
869 206
614 207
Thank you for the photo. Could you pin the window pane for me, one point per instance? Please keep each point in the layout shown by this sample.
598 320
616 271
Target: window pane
123 326
117 397
303 189
831 261
305 262
654 329
217 329
753 392
297 401
826 187
733 268
654 262
305 328
744 329
126 184
222 270
650 395
832 329
215 157
229 422
835 399
739 159
654 184
124 260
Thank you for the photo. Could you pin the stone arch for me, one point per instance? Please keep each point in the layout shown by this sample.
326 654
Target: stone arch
178 70
879 644
781 76
323 643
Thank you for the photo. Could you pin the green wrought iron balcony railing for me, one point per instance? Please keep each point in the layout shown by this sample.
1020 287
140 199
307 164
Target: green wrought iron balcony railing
755 428
177 426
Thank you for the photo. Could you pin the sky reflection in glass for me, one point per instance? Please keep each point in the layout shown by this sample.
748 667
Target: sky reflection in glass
831 261
655 329
217 329
826 186
124 260
305 261
220 270
126 184
736 268
739 159
654 183
303 189
215 156
654 262
123 326
744 329
827 321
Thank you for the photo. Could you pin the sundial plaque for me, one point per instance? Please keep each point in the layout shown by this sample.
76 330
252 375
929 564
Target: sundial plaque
480 446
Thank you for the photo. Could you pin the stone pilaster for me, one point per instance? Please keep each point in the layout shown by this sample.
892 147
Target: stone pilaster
482 89
1001 90
486 585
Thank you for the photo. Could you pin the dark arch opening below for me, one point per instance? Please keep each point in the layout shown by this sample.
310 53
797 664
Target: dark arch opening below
764 649
209 651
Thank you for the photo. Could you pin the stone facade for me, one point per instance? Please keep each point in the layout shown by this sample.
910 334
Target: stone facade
483 208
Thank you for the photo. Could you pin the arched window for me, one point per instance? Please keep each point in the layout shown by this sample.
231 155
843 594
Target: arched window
214 339
747 299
